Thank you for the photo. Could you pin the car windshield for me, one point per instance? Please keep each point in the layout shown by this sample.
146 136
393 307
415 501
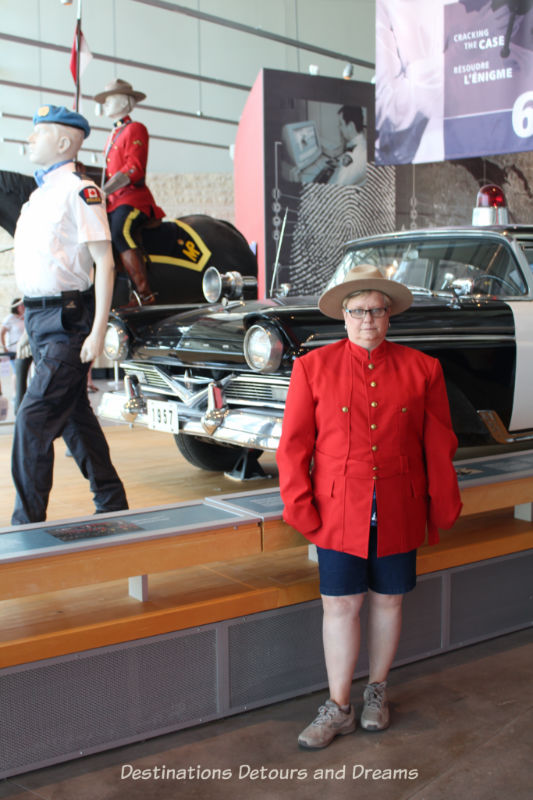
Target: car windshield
462 266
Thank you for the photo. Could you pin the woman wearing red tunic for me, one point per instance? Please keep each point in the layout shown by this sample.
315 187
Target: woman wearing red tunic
365 463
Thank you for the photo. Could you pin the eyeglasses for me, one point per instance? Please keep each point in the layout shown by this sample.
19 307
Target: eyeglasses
359 313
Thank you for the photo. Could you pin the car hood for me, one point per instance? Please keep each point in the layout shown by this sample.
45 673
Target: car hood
215 333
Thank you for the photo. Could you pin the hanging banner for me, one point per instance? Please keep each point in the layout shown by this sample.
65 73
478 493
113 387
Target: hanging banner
454 79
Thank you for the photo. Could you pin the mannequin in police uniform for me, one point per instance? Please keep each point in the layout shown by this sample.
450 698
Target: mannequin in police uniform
62 232
351 167
129 201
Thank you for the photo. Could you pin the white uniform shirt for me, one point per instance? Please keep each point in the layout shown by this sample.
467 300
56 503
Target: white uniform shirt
60 217
351 169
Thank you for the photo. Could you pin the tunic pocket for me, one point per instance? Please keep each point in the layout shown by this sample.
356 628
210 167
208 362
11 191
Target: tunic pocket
43 377
323 484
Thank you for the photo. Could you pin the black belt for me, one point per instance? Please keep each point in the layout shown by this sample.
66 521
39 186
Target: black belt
55 300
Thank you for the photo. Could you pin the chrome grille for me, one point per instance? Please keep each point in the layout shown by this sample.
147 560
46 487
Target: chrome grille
254 390
149 375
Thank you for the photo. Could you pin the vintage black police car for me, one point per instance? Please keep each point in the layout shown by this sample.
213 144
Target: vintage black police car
216 376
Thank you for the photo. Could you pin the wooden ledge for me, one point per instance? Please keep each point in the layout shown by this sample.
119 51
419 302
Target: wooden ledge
476 538
98 565
494 496
73 620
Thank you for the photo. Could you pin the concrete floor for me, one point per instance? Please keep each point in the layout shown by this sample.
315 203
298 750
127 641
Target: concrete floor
462 727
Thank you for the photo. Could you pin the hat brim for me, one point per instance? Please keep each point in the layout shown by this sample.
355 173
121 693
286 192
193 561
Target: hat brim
102 97
330 303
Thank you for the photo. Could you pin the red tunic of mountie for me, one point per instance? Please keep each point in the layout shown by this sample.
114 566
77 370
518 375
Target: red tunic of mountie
127 151
368 422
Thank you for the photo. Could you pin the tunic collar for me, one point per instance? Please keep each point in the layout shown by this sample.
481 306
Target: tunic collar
362 354
122 121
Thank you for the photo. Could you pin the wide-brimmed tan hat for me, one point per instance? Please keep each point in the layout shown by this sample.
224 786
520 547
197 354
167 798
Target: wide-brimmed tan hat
362 278
118 86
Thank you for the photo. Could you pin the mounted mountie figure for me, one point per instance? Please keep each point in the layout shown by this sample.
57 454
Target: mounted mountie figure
130 204
148 249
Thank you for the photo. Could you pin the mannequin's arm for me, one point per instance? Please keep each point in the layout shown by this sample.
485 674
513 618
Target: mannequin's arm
102 255
117 181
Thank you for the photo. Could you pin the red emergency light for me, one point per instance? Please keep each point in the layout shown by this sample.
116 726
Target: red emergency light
491 207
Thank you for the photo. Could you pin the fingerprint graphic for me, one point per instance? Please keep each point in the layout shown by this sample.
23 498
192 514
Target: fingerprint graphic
329 216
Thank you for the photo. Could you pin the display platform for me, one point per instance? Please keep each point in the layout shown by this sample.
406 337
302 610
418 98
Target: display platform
120 527
494 469
126 544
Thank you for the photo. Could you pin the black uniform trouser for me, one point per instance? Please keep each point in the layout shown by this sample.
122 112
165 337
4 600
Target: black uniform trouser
56 404
124 222
22 368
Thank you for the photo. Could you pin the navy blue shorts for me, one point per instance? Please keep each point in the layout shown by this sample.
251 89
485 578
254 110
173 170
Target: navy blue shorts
342 573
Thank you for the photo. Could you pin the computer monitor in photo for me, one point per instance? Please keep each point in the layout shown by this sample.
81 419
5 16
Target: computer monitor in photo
301 143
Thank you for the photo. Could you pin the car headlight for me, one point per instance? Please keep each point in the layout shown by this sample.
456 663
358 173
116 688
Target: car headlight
263 349
116 341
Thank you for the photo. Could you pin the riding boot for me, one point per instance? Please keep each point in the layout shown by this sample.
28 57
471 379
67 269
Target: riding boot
135 266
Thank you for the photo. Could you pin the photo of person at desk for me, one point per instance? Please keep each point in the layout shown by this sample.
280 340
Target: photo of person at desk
310 158
350 169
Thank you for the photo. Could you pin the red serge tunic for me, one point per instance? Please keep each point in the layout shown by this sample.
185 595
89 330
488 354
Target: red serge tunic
126 151
355 422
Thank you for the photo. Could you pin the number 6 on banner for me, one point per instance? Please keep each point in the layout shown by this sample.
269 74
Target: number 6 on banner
523 115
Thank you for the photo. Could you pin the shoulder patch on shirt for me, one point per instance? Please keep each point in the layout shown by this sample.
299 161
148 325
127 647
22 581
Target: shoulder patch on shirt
90 195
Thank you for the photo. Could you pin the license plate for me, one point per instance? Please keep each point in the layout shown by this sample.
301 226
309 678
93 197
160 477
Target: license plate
162 416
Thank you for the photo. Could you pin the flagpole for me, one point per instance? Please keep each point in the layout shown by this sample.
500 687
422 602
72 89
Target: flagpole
78 47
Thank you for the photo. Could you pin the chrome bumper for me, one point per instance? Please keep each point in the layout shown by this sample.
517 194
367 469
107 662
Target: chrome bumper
249 427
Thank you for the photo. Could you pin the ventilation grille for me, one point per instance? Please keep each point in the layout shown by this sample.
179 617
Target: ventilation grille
478 609
269 656
82 703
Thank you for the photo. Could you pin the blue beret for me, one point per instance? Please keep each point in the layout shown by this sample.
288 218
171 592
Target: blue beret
63 116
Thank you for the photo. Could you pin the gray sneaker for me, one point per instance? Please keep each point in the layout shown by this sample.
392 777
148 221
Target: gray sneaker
331 721
375 714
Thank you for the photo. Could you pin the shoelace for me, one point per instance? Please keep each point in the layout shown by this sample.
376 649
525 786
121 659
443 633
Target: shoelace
375 700
325 714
